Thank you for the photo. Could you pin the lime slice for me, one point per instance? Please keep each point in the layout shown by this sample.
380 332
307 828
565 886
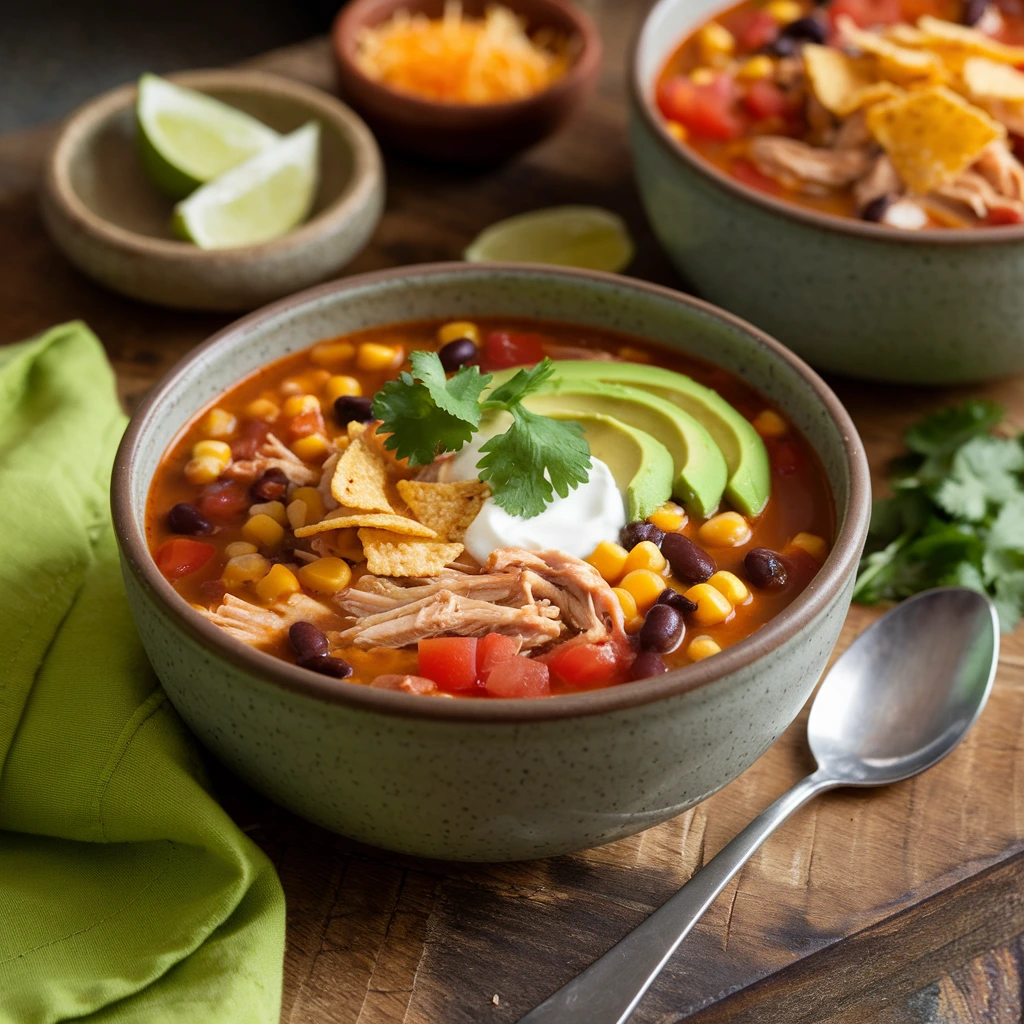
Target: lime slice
187 138
572 236
256 201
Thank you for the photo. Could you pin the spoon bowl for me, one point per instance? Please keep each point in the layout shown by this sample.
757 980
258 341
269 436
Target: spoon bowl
890 707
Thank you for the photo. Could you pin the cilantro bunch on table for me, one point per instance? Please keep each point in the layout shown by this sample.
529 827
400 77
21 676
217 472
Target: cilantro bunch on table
956 515
425 413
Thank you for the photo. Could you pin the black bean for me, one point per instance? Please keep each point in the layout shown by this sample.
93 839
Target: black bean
765 569
308 641
186 518
973 11
270 487
690 563
662 630
781 46
326 666
647 664
635 532
676 600
353 407
875 210
807 29
457 353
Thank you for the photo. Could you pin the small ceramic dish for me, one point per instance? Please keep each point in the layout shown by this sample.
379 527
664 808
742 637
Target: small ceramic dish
490 779
115 225
932 307
466 133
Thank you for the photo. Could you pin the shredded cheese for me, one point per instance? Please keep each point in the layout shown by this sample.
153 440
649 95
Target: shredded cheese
456 59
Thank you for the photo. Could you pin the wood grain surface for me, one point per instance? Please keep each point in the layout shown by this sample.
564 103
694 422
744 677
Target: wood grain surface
892 906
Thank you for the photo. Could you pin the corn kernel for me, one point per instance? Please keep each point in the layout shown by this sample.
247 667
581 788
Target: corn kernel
730 586
761 66
312 447
340 386
373 356
784 11
219 423
627 602
291 386
242 569
332 353
263 409
325 575
274 509
702 76
240 547
296 405
213 450
645 555
279 583
609 560
814 545
677 131
314 503
670 518
713 606
726 530
770 424
644 586
702 647
716 44
203 471
263 531
297 513
458 329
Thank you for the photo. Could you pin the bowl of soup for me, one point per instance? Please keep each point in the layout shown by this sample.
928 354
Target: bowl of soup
490 562
845 175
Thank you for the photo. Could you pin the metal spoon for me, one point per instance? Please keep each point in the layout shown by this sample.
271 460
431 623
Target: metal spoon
897 701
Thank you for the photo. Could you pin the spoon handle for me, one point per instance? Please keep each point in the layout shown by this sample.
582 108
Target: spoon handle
609 989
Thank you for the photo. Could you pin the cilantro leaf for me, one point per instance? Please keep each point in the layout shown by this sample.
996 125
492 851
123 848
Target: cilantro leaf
459 396
534 459
943 432
525 382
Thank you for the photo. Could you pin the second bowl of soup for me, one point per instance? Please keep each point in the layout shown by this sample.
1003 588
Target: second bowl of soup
844 175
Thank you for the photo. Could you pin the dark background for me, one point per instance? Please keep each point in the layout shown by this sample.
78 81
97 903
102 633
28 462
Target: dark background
56 54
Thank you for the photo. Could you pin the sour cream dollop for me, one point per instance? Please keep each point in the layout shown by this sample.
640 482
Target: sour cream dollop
575 524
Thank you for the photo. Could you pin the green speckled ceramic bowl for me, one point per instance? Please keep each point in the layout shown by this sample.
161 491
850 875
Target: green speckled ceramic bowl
923 307
489 779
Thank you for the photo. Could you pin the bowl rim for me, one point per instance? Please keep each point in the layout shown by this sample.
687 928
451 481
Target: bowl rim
866 230
824 588
366 176
467 115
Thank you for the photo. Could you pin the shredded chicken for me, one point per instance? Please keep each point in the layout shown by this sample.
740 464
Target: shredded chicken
1002 170
853 133
273 454
1009 113
324 486
976 192
409 684
261 626
880 180
807 168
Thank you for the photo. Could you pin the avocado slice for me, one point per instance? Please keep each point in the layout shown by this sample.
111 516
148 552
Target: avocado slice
700 472
642 466
749 484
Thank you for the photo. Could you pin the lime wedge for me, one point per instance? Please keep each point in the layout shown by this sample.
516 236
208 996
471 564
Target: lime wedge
261 199
187 138
573 236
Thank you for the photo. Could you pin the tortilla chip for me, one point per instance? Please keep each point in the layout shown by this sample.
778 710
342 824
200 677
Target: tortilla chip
448 508
903 34
945 35
360 479
835 77
342 519
898 64
931 135
355 428
987 80
342 544
390 555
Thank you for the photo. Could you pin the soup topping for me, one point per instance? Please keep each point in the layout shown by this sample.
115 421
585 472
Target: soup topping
883 111
412 510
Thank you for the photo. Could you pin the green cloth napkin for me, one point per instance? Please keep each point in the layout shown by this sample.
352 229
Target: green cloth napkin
126 892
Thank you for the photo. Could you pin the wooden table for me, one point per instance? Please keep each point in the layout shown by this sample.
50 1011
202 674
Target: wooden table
893 906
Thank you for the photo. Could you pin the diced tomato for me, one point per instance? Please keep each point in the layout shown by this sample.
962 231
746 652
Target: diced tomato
866 13
754 29
306 423
223 503
503 349
745 171
450 661
493 649
181 556
584 665
997 218
785 457
705 110
519 677
250 437
764 99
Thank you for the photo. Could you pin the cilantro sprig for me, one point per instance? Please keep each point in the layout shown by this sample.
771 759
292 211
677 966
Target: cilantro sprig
956 515
426 413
